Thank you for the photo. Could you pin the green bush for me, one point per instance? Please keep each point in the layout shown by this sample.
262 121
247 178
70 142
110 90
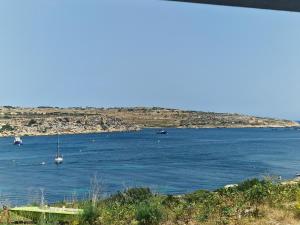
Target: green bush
31 122
115 213
248 184
197 196
148 214
132 196
171 201
7 127
208 207
90 214
257 195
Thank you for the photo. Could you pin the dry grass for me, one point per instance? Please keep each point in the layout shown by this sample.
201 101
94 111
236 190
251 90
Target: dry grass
269 216
15 219
275 216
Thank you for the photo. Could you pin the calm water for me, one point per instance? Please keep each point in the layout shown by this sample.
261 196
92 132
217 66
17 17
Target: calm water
181 161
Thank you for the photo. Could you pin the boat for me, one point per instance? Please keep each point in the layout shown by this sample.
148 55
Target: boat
58 158
35 213
18 141
162 132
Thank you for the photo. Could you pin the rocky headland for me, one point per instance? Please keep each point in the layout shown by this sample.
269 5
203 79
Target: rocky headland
52 120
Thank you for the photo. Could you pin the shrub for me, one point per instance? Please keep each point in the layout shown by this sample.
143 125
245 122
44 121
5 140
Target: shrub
149 214
7 116
132 196
9 107
170 201
31 122
103 125
115 213
248 184
209 207
256 195
90 214
7 127
197 196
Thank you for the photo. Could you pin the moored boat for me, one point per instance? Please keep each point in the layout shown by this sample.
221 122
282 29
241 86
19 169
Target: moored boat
58 158
162 132
18 141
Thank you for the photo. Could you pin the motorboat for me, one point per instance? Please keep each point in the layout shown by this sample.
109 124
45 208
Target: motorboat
162 132
18 141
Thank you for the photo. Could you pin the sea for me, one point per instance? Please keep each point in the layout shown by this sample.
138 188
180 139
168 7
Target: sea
181 161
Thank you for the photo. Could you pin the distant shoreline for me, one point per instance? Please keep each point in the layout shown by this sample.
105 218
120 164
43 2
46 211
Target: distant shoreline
125 131
43 121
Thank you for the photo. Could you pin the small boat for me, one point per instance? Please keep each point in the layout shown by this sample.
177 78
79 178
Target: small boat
230 186
58 158
162 132
18 141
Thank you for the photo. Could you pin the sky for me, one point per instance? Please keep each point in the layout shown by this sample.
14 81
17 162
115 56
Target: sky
111 53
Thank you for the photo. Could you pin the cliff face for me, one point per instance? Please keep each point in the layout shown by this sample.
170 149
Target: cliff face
48 121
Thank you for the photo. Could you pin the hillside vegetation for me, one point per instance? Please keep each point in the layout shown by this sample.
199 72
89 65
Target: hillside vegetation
257 202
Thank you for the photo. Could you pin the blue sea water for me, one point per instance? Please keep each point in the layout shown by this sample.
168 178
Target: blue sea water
181 161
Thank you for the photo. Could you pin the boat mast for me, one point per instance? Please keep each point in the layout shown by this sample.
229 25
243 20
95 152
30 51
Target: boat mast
57 154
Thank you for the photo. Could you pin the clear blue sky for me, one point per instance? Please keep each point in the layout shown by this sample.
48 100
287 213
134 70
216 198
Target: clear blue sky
149 53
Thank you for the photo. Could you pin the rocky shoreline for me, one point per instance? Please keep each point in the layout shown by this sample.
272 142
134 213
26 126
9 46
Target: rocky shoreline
52 120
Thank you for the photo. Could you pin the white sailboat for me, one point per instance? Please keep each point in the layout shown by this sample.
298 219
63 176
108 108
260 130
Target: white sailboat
58 158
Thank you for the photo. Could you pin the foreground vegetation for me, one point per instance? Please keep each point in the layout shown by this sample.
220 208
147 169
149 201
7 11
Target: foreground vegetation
251 202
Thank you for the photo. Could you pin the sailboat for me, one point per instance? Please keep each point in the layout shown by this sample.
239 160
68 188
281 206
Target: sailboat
58 158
